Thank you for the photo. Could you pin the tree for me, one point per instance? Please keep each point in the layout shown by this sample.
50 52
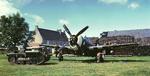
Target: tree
14 30
29 38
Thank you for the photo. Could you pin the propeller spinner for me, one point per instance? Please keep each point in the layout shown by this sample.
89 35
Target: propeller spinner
74 38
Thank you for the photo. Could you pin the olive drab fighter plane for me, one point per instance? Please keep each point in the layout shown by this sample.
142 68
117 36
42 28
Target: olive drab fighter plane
79 45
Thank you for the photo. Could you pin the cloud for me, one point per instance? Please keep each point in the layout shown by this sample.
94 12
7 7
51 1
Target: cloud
20 3
23 2
114 1
37 20
7 8
68 0
63 21
133 5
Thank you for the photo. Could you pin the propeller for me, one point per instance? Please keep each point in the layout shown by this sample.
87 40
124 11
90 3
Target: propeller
67 30
80 32
74 38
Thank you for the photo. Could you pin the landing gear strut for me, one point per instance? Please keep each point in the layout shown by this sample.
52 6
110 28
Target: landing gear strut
100 57
60 57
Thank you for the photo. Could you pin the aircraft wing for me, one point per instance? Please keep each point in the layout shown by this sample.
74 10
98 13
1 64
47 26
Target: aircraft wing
112 46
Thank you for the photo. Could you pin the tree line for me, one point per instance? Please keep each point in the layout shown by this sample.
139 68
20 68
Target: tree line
14 31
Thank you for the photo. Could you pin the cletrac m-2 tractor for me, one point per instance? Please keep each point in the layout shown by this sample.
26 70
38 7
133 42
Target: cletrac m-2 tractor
32 55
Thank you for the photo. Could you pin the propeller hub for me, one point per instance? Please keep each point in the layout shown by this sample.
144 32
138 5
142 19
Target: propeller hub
73 40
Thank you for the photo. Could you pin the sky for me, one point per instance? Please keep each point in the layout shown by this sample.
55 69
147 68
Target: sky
99 15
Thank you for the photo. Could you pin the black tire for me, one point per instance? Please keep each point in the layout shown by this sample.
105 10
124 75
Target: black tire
40 59
47 58
22 62
29 62
12 60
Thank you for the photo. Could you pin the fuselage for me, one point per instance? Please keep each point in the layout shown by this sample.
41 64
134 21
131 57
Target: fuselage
81 46
80 42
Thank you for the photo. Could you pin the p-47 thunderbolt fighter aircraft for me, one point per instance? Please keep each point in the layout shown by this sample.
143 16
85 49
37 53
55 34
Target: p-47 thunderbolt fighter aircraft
79 45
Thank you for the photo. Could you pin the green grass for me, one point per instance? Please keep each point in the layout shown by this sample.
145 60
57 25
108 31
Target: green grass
80 66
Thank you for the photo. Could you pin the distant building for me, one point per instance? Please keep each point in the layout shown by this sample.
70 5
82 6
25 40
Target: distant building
93 40
50 37
141 36
116 40
138 33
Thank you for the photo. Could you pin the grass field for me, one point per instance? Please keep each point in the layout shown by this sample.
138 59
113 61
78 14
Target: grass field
80 66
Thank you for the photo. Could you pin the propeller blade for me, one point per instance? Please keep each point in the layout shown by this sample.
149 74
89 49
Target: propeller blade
67 30
80 32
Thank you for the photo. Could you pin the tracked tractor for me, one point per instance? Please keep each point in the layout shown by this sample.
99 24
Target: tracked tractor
31 55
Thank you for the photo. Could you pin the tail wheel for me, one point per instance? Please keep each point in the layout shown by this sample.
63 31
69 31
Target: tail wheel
12 60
